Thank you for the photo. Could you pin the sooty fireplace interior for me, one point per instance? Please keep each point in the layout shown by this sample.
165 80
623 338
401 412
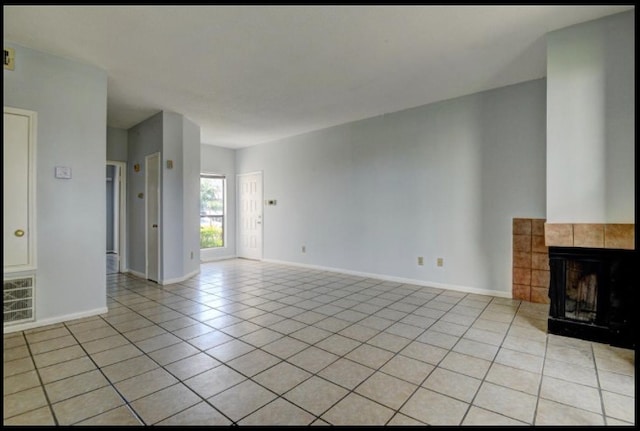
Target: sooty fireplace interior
593 294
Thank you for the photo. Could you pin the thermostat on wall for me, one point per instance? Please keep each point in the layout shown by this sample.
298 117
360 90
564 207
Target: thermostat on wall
63 172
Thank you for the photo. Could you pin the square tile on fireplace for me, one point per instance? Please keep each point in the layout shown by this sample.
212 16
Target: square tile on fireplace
558 234
540 295
538 244
619 236
522 276
540 261
522 259
522 243
522 226
540 278
537 226
522 291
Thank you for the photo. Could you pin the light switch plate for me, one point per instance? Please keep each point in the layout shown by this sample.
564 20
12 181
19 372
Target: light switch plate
63 172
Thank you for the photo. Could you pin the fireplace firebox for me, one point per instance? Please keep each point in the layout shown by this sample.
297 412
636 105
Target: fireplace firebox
593 294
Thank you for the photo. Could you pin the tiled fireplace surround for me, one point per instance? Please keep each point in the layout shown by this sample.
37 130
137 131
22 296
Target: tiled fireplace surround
532 238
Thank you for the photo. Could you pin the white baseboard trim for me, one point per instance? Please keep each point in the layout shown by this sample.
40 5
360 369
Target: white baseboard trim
445 286
216 259
137 274
179 279
53 320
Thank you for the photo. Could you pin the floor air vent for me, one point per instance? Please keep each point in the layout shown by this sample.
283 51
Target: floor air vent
18 299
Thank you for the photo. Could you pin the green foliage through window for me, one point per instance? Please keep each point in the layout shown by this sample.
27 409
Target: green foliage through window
212 211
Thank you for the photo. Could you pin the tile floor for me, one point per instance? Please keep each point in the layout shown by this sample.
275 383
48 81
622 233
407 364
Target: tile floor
249 343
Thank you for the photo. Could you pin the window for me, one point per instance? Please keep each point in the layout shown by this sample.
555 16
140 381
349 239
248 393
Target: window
212 189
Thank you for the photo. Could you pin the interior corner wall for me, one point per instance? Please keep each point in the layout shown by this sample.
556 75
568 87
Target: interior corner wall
70 99
591 122
191 197
143 139
117 144
221 161
441 180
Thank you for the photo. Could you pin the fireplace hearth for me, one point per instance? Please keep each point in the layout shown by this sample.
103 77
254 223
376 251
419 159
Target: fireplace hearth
593 295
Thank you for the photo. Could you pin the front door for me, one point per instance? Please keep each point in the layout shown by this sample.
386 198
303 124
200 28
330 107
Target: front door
250 215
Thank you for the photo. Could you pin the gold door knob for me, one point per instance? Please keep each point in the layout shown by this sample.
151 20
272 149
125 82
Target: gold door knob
19 233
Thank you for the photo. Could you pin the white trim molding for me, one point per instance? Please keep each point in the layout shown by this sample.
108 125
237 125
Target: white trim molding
53 320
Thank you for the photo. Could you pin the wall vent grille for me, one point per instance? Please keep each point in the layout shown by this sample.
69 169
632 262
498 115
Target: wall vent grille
18 299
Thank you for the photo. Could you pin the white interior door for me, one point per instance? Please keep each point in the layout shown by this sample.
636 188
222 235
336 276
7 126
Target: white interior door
250 215
18 191
152 181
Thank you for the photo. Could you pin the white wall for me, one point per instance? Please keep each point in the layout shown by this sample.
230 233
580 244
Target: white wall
442 180
191 196
591 122
221 161
70 99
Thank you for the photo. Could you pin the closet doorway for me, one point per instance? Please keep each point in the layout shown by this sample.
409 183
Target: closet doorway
115 217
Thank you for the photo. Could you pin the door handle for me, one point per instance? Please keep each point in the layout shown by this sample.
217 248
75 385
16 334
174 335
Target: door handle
19 233
155 225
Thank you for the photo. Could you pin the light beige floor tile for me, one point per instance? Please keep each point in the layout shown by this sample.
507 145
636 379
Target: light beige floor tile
439 339
103 344
70 387
145 384
424 352
278 412
38 417
285 347
310 334
620 361
157 342
476 349
309 317
253 362
214 381
281 377
404 330
191 366
617 422
573 394
119 416
418 321
173 353
520 360
393 343
452 384
371 356
179 323
316 395
137 335
434 409
66 369
570 372
54 344
490 325
357 410
551 413
240 329
581 357
619 406
449 328
261 337
618 383
525 345
15 353
23 401
92 403
387 390
337 344
514 378
86 325
230 350
117 354
376 323
408 369
402 420
20 382
192 331
242 399
200 414
17 366
483 336
507 402
129 368
483 418
165 403
45 334
312 359
95 334
12 340
346 373
465 364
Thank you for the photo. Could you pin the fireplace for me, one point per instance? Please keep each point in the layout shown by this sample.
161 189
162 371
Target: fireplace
593 295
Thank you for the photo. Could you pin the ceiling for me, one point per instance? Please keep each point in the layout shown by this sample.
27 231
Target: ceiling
252 74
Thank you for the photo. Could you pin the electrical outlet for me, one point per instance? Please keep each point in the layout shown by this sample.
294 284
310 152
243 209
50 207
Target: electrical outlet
440 262
304 249
420 260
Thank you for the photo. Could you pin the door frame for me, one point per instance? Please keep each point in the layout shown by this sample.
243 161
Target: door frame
122 215
238 210
147 159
